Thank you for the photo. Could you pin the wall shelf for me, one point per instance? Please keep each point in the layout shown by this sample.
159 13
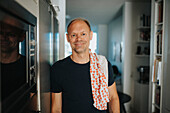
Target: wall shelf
143 42
159 24
158 55
142 56
143 27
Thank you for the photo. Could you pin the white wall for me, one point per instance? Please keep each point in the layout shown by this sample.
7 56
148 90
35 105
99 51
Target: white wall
102 39
127 50
115 36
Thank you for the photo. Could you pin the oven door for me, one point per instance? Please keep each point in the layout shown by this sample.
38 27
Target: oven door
18 58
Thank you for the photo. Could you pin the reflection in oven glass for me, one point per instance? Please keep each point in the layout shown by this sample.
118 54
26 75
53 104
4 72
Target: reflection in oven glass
13 65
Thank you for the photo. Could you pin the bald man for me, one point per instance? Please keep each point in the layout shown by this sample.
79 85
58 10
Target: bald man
78 86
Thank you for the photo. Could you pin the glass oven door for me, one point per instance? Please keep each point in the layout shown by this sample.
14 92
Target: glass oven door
18 59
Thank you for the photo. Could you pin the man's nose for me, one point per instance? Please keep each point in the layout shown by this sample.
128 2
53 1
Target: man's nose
79 37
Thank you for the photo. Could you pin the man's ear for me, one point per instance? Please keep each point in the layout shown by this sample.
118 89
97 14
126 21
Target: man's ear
67 37
91 35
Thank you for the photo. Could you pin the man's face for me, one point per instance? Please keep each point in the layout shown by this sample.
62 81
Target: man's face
9 38
79 36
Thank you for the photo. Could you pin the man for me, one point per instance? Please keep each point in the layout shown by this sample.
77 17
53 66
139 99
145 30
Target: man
72 79
13 64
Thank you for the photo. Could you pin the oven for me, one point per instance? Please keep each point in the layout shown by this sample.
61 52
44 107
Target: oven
18 58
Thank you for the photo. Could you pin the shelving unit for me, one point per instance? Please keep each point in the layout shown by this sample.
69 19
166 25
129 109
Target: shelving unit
156 81
142 56
143 49
143 39
158 48
159 55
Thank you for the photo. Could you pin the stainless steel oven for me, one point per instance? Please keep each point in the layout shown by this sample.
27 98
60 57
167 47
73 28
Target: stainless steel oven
18 58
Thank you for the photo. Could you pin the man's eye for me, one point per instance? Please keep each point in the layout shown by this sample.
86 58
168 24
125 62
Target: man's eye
73 35
8 34
11 34
83 34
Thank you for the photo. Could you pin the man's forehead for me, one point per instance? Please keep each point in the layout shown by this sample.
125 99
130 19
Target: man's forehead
75 22
8 27
78 24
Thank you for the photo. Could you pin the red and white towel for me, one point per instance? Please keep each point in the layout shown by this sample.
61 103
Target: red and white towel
99 80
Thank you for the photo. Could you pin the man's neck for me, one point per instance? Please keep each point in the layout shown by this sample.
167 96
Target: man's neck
9 57
80 58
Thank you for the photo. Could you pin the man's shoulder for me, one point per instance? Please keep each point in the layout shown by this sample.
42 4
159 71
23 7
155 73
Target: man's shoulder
61 62
59 67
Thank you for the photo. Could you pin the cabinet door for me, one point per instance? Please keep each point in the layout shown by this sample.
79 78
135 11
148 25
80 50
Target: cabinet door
166 91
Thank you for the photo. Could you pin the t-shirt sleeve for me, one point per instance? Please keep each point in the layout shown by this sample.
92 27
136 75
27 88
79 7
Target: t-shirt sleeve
55 79
110 73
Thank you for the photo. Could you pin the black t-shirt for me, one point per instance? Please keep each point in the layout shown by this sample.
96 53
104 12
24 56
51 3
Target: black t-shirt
13 76
73 80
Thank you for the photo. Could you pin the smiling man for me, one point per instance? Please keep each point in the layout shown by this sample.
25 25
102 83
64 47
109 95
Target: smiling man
83 82
12 64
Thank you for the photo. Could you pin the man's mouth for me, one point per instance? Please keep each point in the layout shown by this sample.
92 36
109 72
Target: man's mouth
78 44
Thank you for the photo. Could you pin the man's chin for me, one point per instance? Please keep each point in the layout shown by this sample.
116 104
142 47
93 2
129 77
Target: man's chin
79 51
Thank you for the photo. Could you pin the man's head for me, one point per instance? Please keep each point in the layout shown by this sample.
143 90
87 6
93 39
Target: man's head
79 35
10 36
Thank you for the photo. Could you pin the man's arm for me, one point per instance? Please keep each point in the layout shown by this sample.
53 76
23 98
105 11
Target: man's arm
114 106
56 106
